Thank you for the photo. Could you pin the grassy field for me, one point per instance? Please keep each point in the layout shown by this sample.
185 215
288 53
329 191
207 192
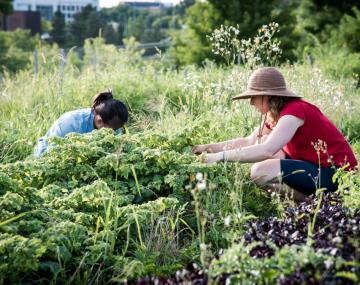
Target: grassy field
103 209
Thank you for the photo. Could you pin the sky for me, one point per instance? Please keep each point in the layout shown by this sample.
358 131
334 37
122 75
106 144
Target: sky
110 3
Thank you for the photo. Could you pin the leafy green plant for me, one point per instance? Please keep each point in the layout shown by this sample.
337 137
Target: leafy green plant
96 196
111 208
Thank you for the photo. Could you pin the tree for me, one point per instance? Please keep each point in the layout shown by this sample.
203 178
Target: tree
191 45
117 16
249 15
58 28
252 14
349 31
319 17
6 7
183 5
86 24
16 48
111 34
94 25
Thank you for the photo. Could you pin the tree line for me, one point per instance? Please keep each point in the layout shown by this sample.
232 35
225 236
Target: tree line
115 24
304 24
306 27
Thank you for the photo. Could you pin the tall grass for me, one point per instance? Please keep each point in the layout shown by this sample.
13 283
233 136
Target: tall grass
164 101
156 95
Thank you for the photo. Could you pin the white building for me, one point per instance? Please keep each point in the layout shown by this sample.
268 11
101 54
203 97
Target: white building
47 8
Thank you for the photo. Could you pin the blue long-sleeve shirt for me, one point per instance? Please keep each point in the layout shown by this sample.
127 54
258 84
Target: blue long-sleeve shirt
79 121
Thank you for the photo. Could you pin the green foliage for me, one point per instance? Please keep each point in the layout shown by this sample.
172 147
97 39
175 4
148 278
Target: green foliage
86 24
332 37
58 28
97 195
19 255
263 49
320 17
349 31
336 60
248 16
112 208
16 50
180 52
6 6
244 269
145 28
125 21
183 6
299 22
46 26
349 185
117 23
225 42
190 45
243 13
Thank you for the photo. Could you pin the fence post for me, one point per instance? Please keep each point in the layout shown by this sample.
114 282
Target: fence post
238 59
93 60
36 62
62 67
62 62
185 73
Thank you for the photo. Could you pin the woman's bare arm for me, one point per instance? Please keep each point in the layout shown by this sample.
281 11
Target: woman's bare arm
278 138
231 144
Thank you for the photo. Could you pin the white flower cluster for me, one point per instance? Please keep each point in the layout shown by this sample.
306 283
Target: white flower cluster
226 42
192 82
260 50
201 181
263 49
330 94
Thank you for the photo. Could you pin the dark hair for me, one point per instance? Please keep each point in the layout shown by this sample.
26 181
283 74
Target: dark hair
112 111
276 104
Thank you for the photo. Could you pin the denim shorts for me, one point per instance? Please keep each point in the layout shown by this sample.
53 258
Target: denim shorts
303 176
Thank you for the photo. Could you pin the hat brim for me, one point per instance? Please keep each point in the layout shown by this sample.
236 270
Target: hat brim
252 93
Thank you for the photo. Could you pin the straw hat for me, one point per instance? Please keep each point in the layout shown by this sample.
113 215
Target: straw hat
266 81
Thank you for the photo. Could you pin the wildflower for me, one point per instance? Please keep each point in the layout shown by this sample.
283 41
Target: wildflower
201 185
337 240
227 221
333 251
203 246
347 105
328 263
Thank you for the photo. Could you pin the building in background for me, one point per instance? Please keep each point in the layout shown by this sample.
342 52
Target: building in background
154 6
47 8
29 20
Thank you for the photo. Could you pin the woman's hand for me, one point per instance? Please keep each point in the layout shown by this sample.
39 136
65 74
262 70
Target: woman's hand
213 158
199 149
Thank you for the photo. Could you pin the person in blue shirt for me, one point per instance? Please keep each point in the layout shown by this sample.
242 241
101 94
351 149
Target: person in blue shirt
106 112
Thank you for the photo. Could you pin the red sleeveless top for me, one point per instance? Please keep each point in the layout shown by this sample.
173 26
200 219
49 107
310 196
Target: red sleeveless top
316 132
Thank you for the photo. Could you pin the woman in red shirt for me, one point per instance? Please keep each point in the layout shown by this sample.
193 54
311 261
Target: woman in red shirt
292 141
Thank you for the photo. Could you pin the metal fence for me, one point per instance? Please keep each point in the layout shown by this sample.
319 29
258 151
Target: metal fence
151 49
